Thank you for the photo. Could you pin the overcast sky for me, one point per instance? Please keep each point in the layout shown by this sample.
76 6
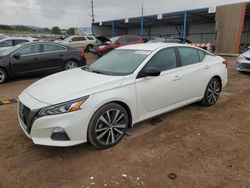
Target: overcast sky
77 13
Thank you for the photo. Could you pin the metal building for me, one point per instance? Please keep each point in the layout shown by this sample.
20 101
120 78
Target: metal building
227 27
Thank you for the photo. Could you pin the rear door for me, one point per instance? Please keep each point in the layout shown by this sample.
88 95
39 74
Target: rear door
194 72
52 56
29 60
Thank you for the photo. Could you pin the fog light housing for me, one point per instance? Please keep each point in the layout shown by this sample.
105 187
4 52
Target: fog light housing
59 135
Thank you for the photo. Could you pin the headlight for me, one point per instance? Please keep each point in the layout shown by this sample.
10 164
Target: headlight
62 108
241 57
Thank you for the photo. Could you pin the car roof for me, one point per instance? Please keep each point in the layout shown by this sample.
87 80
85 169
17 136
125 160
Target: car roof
151 46
13 38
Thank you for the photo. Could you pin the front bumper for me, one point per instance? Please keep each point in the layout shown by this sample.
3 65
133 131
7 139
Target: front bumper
243 66
40 130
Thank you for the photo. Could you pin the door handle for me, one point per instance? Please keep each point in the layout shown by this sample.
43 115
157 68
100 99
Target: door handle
206 67
61 55
36 58
177 77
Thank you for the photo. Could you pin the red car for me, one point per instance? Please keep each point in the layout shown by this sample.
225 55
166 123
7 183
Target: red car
116 42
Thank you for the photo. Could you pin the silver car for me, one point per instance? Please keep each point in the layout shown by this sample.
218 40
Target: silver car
243 62
8 42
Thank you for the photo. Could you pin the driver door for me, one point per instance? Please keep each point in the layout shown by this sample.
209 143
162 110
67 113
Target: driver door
157 93
27 60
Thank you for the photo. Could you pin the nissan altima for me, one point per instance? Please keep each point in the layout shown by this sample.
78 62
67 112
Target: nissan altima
99 102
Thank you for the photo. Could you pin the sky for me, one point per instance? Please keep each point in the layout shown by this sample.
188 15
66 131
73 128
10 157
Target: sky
77 13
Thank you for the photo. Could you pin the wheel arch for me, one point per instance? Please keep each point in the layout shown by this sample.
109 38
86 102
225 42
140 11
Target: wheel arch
7 72
220 80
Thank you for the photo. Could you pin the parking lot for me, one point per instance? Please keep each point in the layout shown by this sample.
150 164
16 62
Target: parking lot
204 147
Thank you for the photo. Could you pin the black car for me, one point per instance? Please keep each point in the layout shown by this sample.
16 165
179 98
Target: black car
38 57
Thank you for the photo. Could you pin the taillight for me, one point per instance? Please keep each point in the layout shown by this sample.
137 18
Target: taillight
82 54
225 62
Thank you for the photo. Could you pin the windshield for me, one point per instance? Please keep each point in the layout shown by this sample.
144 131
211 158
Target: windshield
67 39
10 50
119 62
113 39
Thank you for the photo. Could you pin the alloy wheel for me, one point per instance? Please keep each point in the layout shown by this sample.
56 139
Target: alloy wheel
110 127
2 76
71 65
213 92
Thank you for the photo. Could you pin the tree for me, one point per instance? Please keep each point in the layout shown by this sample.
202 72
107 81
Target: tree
71 31
56 30
46 30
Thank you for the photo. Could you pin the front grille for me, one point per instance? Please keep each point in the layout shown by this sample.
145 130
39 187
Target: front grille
247 58
245 65
26 116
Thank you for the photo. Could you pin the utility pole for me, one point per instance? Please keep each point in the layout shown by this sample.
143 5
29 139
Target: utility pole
142 20
92 8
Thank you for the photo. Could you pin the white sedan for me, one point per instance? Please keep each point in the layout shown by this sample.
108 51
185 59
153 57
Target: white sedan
97 103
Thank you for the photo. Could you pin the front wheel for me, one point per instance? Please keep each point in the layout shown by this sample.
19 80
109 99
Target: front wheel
108 126
212 92
3 76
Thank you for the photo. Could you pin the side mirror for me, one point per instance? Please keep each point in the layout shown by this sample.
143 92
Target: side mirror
150 72
108 42
17 55
70 40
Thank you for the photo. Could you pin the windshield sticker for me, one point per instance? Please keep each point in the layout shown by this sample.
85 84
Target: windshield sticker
142 52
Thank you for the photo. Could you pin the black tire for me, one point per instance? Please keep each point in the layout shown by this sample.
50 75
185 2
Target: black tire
70 65
89 47
212 92
105 135
3 76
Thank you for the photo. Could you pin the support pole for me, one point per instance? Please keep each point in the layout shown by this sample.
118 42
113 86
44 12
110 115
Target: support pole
113 28
184 27
142 20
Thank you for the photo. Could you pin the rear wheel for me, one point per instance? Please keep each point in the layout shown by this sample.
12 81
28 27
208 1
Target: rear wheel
70 65
108 126
3 76
212 92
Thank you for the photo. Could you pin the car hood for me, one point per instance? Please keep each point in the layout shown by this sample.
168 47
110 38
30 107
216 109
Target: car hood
72 84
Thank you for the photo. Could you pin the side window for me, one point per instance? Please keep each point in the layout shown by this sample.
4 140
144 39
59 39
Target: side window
132 39
6 43
32 49
163 60
201 54
78 39
121 40
90 38
52 48
188 56
16 42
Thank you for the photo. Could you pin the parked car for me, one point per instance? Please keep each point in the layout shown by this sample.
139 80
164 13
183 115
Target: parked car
116 42
6 43
38 57
243 62
169 40
84 42
99 102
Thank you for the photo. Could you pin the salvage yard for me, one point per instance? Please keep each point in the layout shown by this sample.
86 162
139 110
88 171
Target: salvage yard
203 147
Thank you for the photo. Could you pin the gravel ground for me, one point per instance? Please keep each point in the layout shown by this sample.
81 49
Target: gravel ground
203 147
